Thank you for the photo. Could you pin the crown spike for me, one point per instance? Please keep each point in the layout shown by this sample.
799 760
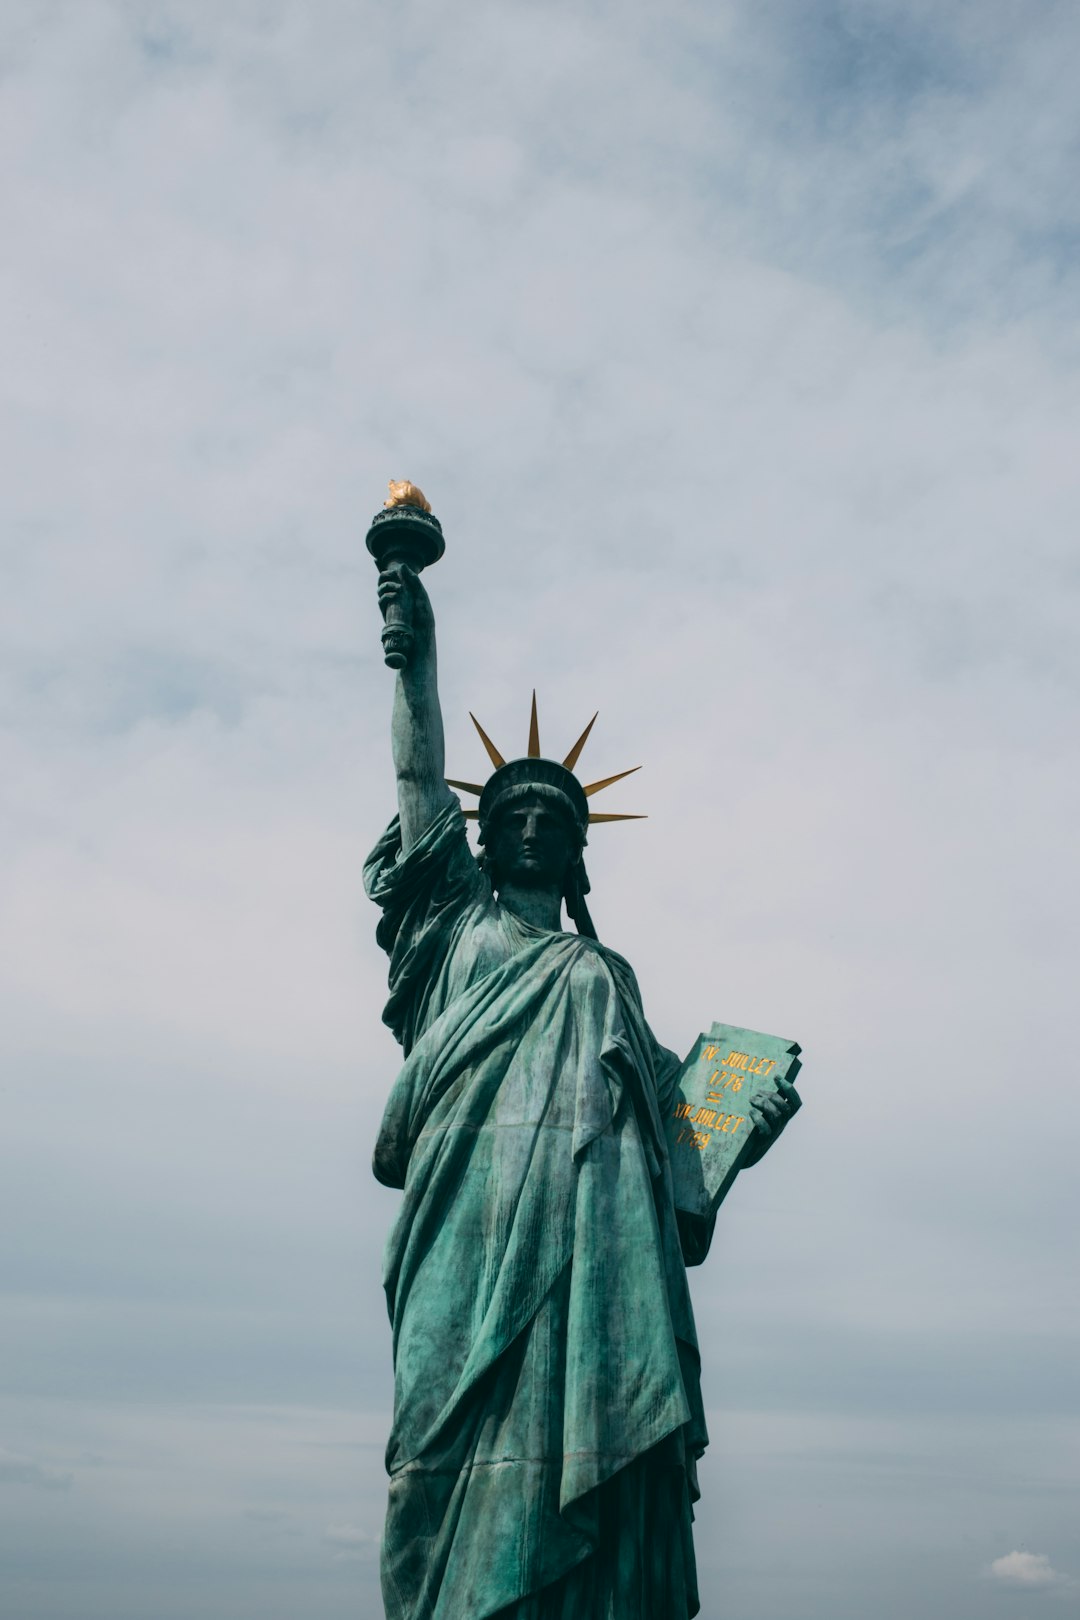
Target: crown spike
594 787
534 731
575 753
493 753
466 787
594 817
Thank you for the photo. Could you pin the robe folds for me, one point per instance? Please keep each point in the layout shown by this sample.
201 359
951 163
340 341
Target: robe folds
547 1409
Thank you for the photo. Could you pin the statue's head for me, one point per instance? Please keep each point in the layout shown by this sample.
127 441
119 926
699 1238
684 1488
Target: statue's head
533 822
534 803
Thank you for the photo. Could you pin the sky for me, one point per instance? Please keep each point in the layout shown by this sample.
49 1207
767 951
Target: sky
736 346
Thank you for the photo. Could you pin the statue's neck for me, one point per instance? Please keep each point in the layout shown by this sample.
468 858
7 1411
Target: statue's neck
540 907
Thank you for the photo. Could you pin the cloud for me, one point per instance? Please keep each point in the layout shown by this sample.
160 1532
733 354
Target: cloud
719 341
350 1541
272 1523
1025 1569
16 1470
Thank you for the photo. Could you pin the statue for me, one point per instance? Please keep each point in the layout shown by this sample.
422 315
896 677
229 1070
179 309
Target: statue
548 1417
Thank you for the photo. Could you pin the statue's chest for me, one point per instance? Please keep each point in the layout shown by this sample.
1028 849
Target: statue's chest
493 937
484 946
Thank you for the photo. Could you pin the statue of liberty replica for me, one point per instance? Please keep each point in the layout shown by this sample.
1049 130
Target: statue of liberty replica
548 1415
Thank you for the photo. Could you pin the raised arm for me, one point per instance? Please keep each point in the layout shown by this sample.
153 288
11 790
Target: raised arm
417 727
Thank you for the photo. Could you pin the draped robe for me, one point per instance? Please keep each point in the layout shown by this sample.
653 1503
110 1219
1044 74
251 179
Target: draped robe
547 1410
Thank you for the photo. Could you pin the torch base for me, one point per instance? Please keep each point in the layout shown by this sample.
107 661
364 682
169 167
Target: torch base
405 534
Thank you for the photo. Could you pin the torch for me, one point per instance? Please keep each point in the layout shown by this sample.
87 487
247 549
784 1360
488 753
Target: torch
404 531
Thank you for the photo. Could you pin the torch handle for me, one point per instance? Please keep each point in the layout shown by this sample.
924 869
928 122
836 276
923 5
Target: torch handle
397 630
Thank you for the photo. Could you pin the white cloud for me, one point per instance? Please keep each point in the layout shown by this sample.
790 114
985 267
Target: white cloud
16 1470
350 1541
1024 1569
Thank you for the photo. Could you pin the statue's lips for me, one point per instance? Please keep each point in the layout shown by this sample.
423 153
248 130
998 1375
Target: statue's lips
530 860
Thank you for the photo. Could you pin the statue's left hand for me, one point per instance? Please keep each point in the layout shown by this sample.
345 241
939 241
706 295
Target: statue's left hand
770 1111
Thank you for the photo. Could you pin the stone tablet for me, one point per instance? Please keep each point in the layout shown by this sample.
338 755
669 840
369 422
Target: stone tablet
709 1126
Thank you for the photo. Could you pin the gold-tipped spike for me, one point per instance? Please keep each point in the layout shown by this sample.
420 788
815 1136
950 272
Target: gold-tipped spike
493 753
467 787
594 787
617 818
471 815
575 753
534 732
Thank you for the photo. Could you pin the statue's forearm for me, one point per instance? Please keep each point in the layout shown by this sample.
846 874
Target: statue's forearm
418 747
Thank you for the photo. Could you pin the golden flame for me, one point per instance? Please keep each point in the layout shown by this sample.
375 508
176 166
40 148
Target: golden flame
402 493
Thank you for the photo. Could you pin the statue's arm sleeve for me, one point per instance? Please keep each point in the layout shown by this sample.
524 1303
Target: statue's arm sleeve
423 895
695 1231
666 1066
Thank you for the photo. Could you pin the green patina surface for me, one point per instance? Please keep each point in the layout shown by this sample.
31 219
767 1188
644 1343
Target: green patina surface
547 1410
543 1333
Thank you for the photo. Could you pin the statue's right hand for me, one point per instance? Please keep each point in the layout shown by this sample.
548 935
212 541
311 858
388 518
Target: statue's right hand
399 585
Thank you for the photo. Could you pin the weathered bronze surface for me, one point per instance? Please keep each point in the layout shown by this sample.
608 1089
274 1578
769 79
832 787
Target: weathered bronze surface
547 1411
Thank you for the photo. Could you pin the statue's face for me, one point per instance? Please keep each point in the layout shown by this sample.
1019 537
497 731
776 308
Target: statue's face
531 845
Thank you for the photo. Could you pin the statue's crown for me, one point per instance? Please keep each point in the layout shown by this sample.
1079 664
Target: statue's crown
510 777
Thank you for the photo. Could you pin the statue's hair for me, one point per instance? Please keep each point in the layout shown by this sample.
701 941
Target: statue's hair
534 775
552 797
575 889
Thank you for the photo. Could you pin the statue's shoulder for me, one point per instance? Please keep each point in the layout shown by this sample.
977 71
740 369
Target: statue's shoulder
617 963
594 955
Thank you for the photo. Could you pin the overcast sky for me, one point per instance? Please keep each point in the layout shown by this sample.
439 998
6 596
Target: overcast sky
735 343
